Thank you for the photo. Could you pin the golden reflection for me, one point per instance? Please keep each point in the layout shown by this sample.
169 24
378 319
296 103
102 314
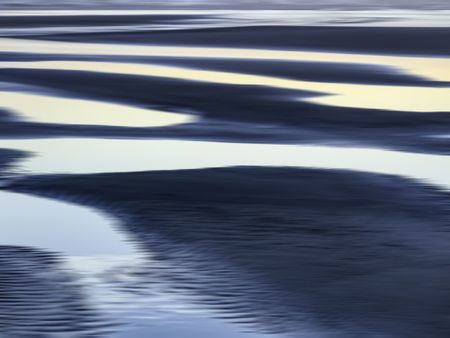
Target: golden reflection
48 109
402 98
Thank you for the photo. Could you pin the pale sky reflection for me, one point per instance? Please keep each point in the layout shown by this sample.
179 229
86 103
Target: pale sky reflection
50 109
434 68
58 227
73 155
388 97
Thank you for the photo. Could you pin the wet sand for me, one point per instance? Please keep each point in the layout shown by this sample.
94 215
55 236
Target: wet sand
9 158
41 298
245 251
377 40
307 243
226 112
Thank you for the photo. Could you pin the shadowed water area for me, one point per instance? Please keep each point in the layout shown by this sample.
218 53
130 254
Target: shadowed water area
226 173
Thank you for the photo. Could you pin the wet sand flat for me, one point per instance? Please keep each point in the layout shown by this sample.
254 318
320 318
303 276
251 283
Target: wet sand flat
238 174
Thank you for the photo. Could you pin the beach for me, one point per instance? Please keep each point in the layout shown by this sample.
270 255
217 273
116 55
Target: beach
266 174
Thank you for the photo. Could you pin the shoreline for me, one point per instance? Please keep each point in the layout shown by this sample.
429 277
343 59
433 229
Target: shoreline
321 210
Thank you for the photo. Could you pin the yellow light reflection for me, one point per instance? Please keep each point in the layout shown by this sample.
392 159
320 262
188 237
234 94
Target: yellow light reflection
402 98
430 67
48 109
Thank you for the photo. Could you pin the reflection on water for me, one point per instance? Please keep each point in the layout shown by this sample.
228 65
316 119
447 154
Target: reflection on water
141 293
303 253
404 98
39 298
224 252
430 67
191 326
57 226
96 155
44 297
228 18
49 109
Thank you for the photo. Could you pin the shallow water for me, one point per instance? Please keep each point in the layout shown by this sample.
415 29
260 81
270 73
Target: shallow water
171 269
97 155
367 96
100 263
58 227
401 98
435 68
231 18
53 109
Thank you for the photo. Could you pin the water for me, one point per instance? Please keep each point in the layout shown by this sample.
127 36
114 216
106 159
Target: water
97 156
58 227
244 252
99 266
51 109
415 99
197 18
435 68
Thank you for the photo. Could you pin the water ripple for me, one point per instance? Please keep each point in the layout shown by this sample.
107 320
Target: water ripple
40 299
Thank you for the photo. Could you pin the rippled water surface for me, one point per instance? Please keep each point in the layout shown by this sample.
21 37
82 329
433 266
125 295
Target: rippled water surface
235 174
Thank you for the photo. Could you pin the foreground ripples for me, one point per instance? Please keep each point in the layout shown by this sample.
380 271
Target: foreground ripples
281 250
274 249
39 299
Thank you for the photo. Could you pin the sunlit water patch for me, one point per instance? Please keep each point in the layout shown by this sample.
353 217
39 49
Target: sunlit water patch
61 110
98 155
389 97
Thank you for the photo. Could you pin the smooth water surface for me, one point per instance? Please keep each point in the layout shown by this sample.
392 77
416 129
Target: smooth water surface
53 109
102 155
